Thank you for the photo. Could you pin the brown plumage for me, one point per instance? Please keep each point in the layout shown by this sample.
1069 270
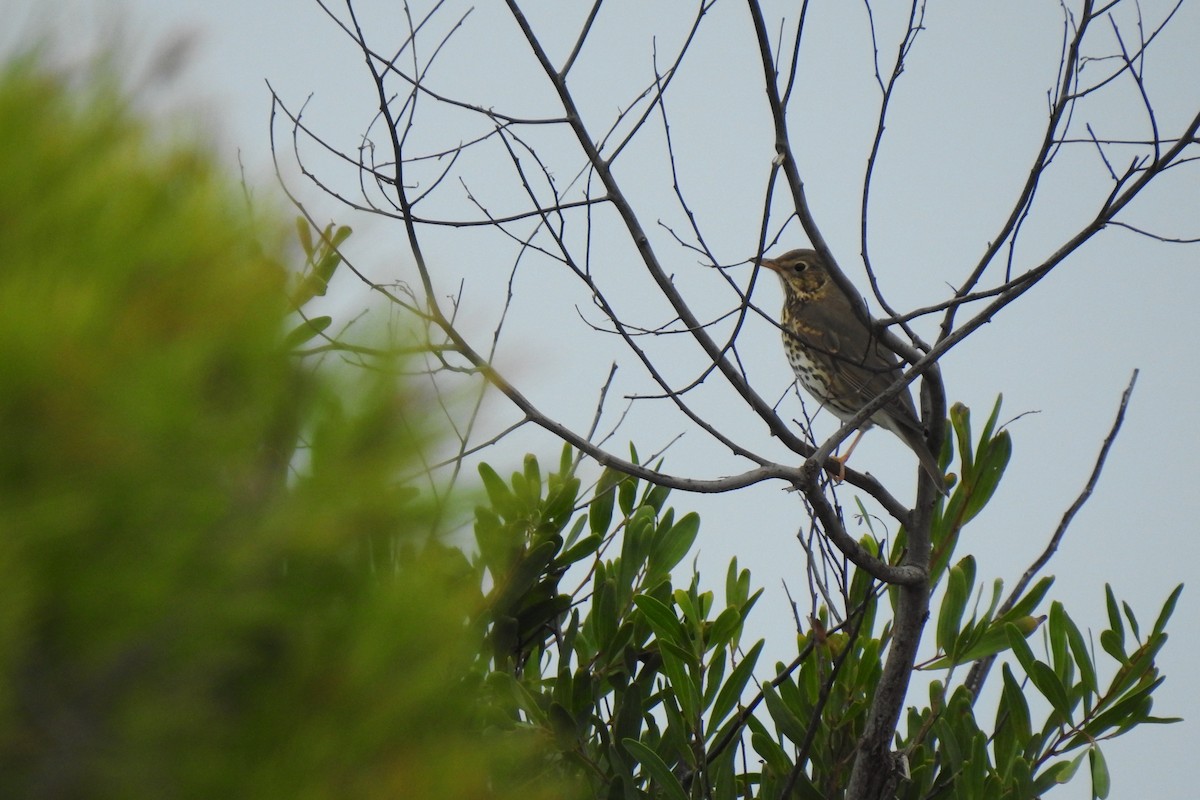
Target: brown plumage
838 359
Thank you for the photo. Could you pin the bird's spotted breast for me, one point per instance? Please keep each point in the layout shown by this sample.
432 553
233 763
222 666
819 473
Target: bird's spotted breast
814 376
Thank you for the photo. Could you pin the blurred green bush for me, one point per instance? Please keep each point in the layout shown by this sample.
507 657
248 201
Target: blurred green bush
185 612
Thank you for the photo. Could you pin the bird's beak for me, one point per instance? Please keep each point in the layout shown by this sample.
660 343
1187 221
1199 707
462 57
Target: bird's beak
769 263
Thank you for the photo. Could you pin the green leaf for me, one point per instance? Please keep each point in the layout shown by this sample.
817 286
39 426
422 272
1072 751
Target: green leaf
960 421
869 666
635 545
656 495
1100 779
1048 683
1064 667
953 604
562 724
305 331
737 584
604 617
675 665
1058 773
342 234
576 529
1113 644
862 584
523 576
566 460
786 720
308 287
525 494
601 508
713 675
533 476
317 281
693 615
1025 606
990 425
630 703
1168 609
771 752
495 545
1012 717
660 773
672 547
501 498
626 493
724 626
997 591
1083 658
1114 617
662 620
974 771
505 683
744 613
731 691
581 550
304 234
1019 780
560 503
949 741
989 469
1133 623
1016 640
674 736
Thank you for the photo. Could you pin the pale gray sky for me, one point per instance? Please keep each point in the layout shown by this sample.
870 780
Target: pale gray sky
968 112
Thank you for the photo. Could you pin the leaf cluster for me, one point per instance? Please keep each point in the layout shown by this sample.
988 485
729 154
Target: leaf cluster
647 690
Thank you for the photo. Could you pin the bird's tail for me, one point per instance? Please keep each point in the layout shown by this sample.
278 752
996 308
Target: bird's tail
928 460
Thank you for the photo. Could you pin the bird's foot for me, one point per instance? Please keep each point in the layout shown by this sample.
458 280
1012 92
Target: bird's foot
836 466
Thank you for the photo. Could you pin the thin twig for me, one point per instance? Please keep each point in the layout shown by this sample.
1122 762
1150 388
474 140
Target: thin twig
979 670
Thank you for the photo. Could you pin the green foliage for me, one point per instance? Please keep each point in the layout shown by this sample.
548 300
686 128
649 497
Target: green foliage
647 692
637 679
191 607
321 260
949 753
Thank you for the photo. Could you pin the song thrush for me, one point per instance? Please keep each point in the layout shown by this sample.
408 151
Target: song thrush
838 359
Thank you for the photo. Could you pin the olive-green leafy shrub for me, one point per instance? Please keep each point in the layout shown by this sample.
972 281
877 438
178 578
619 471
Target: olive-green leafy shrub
646 687
212 584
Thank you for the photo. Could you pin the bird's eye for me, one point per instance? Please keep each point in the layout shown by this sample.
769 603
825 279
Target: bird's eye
800 266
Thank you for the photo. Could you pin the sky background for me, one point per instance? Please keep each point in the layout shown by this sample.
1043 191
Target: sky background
967 117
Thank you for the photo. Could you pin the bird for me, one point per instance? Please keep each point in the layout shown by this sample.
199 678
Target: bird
838 358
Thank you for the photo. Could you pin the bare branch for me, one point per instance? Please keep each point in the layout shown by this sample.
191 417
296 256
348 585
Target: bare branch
642 241
979 670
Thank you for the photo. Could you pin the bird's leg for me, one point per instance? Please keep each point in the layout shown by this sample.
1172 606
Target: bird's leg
841 460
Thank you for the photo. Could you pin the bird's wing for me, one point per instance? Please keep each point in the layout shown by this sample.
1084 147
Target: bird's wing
861 359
